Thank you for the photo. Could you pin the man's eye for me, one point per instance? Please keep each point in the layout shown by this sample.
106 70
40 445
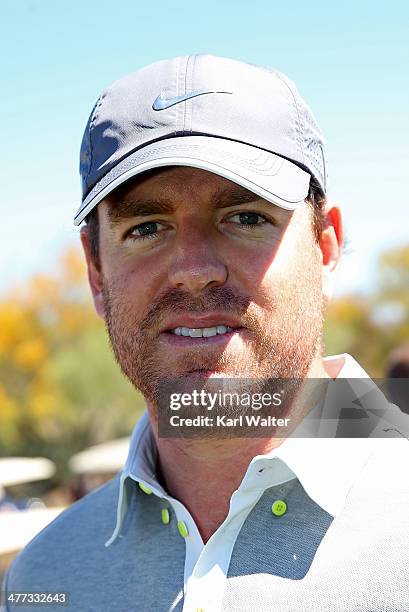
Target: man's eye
250 219
144 230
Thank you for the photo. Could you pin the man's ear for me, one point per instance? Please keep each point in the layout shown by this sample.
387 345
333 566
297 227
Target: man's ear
331 245
95 276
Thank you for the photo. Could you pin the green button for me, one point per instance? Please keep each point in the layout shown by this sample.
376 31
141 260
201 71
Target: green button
279 507
165 516
183 529
145 488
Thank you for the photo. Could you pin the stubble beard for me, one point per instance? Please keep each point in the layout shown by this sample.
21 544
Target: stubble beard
285 336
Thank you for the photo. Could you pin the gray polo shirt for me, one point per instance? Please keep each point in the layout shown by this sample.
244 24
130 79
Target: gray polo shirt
338 542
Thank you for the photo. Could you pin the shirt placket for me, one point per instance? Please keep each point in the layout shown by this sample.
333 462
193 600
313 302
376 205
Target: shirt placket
204 586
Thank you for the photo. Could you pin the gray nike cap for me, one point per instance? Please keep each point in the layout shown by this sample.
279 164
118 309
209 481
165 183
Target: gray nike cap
243 122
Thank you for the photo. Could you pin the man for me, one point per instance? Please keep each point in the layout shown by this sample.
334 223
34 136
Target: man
211 248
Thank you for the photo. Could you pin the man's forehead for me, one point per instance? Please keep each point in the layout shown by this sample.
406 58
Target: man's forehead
161 190
168 180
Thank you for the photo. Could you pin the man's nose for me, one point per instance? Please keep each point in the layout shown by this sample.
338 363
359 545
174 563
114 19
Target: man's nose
196 263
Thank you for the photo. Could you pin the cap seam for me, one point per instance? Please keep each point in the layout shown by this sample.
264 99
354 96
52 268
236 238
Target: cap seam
185 92
189 106
324 165
298 122
180 85
193 104
91 125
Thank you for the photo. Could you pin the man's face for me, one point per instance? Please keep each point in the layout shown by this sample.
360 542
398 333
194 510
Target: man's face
186 248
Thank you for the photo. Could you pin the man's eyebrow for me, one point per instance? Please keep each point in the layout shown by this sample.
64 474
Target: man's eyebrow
128 208
232 197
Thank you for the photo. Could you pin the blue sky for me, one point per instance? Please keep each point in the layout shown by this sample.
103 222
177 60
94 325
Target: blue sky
349 62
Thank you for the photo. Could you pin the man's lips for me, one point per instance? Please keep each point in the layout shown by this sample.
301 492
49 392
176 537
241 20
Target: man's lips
191 341
181 341
195 321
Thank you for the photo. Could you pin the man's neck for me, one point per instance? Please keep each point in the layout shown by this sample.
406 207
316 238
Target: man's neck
204 473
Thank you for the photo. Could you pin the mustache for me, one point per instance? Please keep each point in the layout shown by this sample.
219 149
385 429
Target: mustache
176 301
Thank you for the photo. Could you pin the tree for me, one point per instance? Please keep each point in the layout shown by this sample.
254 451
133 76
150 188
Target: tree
60 388
371 326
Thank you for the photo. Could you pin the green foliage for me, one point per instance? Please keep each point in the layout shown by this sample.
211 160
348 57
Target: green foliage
370 327
60 388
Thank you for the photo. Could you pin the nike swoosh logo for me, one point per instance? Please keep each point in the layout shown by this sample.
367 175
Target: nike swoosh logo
162 103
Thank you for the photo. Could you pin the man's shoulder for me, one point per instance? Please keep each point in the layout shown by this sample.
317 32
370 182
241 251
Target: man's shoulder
79 531
384 473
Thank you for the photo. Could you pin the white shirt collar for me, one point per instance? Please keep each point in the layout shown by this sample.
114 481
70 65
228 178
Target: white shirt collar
325 467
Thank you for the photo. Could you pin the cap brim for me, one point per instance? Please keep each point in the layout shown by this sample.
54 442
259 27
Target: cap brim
270 176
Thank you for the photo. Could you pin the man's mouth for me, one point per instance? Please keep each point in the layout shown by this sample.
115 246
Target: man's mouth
201 332
204 328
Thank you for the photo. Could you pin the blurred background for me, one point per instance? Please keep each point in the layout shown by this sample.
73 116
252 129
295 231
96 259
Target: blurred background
60 390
